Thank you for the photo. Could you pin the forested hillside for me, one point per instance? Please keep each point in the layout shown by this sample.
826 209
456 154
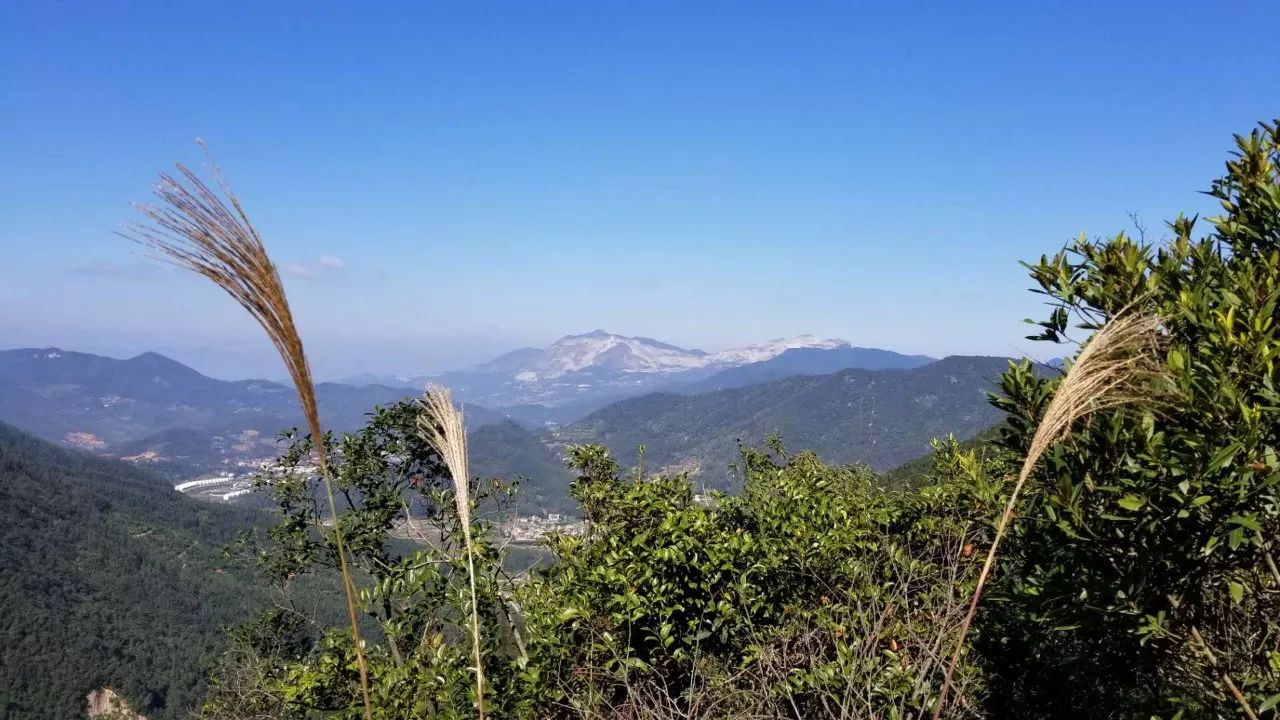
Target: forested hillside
511 453
878 417
109 578
807 361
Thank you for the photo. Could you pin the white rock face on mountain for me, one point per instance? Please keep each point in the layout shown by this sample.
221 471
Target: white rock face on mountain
605 351
593 369
772 349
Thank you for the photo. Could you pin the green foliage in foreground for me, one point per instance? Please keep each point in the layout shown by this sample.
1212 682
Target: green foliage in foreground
1143 577
814 589
388 481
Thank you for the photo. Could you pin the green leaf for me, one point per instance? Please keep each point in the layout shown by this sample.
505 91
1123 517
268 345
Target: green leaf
1245 521
1237 592
1225 455
1132 502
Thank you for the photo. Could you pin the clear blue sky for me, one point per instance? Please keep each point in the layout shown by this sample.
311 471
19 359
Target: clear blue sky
445 181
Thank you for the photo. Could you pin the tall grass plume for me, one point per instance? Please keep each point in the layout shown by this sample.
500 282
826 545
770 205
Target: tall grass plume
442 425
1108 373
208 232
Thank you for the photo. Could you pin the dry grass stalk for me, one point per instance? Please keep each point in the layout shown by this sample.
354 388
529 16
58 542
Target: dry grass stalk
1106 374
441 425
195 228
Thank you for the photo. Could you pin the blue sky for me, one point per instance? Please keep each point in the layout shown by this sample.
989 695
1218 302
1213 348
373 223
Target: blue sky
445 181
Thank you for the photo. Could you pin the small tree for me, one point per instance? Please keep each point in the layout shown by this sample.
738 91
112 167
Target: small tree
1142 577
405 537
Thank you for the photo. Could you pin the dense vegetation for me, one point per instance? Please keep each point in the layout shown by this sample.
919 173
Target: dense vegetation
109 578
1143 576
816 588
1137 579
878 417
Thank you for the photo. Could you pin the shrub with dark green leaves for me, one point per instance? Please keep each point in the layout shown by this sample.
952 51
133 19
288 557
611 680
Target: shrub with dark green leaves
1142 577
815 590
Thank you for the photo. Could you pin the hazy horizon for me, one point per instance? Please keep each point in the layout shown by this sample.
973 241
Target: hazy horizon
232 363
443 184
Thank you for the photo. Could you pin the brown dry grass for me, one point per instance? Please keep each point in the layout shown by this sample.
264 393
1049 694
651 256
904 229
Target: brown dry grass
196 228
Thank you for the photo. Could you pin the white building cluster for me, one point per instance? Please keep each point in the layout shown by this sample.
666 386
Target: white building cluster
240 485
531 529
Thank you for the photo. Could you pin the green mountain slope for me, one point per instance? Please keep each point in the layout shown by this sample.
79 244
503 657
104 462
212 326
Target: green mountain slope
806 361
914 473
510 452
108 578
879 417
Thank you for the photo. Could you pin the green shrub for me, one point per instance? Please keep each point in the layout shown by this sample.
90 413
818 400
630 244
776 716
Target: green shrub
413 588
1142 579
815 591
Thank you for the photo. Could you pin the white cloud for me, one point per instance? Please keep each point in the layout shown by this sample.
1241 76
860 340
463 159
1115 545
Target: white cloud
314 268
299 270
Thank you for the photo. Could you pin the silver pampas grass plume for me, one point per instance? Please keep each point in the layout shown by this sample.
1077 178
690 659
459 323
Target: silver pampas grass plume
1108 373
442 426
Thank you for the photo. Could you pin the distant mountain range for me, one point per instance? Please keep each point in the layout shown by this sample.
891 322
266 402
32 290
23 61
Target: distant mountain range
151 404
806 361
128 406
849 404
603 350
580 373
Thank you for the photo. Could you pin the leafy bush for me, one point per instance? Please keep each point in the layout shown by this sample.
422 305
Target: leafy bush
814 592
414 595
1144 579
